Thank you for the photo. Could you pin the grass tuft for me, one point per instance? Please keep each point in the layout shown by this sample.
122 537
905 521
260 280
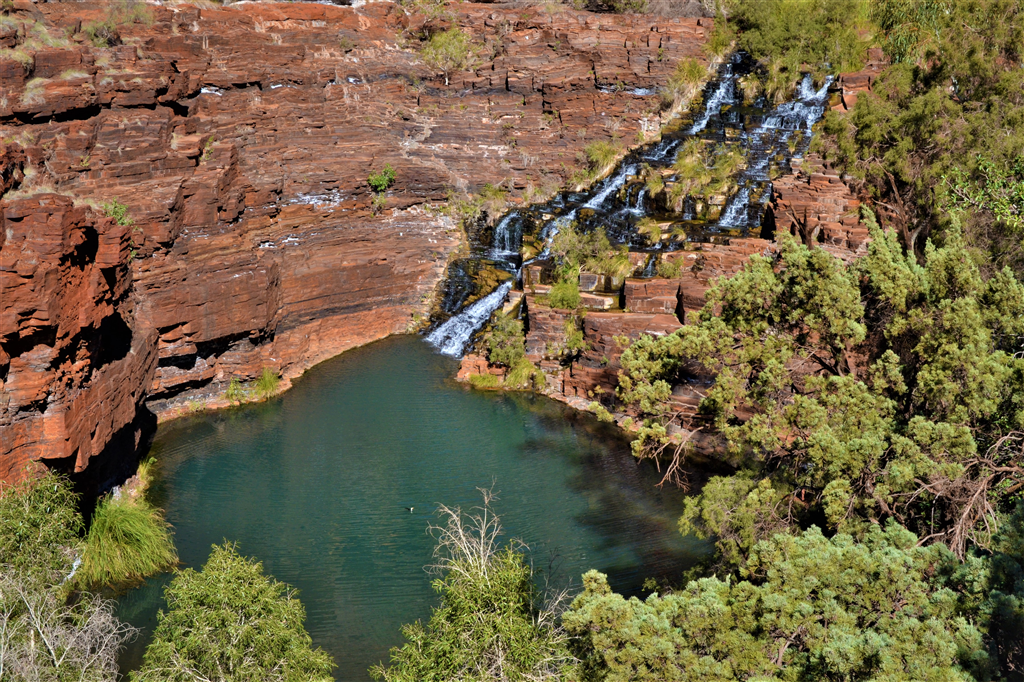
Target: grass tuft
127 541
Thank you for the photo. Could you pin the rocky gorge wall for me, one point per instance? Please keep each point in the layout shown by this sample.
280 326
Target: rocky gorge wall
240 140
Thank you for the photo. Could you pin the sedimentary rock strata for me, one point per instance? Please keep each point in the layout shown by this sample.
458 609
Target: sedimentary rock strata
240 140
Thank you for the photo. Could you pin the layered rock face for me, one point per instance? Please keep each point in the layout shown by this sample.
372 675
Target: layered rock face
75 361
240 141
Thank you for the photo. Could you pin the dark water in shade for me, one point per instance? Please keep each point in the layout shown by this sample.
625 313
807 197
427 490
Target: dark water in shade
315 484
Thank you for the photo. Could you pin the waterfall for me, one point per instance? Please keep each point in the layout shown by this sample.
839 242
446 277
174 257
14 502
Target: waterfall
507 236
735 213
723 94
611 185
452 337
763 131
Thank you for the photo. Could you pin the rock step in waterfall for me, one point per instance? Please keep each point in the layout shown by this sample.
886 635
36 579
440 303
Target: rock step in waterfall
765 138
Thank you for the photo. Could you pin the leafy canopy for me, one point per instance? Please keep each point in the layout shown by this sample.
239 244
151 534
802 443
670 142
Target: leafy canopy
808 608
231 622
491 623
877 390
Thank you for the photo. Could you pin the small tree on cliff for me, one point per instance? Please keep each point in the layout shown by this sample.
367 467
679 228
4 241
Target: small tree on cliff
448 52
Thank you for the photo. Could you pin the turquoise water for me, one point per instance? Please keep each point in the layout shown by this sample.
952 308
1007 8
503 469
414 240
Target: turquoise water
316 483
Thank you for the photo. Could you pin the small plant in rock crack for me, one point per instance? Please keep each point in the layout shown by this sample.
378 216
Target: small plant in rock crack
118 211
382 179
379 182
207 150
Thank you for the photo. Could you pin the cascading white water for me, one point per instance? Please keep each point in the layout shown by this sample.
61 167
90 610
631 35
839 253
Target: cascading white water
452 336
723 94
506 236
611 185
618 215
735 213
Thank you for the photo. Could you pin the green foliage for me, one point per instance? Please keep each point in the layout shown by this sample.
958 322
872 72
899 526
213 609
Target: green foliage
601 154
630 6
380 181
506 343
577 252
798 32
235 392
879 390
43 635
231 622
448 52
105 32
491 623
128 540
565 295
932 116
484 381
808 609
118 211
686 78
601 412
997 191
39 528
267 383
704 173
575 342
522 374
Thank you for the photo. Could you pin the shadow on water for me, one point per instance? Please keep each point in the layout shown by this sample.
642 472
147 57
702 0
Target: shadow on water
316 485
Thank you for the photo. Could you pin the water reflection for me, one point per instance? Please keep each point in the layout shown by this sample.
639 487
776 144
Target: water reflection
316 484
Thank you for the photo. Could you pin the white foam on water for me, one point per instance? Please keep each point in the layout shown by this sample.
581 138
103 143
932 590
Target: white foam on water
735 214
611 185
724 93
452 336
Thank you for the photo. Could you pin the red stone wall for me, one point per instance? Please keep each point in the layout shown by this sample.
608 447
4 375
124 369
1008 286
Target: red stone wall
240 139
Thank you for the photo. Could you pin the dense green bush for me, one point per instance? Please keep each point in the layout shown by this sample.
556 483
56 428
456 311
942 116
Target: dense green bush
907 416
267 383
381 180
44 635
506 342
128 540
491 623
231 622
924 139
40 528
564 295
809 609
448 52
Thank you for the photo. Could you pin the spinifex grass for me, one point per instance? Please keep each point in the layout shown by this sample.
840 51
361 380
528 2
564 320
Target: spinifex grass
128 540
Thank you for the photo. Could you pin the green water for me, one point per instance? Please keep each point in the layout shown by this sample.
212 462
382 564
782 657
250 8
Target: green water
316 483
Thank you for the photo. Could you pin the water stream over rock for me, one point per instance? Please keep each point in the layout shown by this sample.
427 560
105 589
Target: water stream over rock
769 136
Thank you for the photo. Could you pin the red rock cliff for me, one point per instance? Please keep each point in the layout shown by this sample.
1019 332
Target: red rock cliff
240 140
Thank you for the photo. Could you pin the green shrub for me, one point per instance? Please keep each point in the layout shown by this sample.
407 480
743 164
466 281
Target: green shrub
235 392
506 343
491 616
484 381
381 180
233 623
448 52
521 374
128 540
565 295
104 32
601 154
808 608
39 528
118 211
686 78
601 412
267 383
